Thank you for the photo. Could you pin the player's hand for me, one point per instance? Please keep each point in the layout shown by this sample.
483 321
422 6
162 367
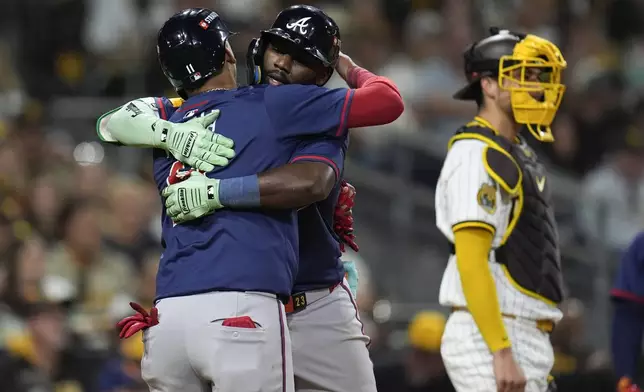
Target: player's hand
343 216
191 199
509 376
351 274
625 384
193 143
343 65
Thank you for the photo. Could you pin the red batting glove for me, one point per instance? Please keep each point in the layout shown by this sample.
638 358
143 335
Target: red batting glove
343 216
626 385
141 320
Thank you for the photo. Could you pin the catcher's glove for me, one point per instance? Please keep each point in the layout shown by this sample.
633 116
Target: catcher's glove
141 320
343 216
625 384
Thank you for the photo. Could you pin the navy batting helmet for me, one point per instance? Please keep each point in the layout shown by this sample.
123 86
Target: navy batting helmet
191 47
482 59
307 28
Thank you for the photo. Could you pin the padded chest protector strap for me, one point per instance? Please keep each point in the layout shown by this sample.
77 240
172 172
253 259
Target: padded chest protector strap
502 167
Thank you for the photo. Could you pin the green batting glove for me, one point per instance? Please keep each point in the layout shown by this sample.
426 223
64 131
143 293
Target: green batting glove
351 274
193 143
193 198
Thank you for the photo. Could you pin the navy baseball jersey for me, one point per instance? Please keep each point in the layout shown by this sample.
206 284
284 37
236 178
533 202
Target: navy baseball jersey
629 281
253 249
320 264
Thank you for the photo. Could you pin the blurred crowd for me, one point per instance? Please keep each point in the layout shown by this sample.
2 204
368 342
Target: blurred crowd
79 223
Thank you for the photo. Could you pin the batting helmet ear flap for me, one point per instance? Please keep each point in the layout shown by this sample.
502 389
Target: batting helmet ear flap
254 61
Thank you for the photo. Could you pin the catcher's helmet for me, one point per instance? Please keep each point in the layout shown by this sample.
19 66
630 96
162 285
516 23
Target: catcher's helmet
191 47
507 56
307 28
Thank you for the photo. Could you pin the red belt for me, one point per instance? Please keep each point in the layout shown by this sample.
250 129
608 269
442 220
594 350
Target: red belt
299 301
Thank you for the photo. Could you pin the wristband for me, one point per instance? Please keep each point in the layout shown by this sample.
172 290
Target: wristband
240 192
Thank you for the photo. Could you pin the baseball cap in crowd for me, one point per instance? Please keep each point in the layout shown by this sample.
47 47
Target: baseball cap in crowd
426 331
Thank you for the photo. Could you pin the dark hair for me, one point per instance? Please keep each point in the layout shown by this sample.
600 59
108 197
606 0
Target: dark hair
480 98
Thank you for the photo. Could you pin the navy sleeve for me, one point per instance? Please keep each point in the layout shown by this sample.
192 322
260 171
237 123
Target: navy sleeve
167 107
300 110
626 337
629 281
628 318
328 151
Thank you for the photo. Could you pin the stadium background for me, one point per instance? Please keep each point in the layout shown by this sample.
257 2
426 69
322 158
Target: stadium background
79 232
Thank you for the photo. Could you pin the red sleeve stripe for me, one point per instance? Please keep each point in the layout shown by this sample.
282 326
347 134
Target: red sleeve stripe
345 112
318 158
185 108
623 294
162 112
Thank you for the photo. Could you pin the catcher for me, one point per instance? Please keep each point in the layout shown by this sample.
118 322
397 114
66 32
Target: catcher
503 280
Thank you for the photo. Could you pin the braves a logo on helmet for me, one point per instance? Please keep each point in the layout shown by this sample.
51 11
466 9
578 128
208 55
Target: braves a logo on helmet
301 26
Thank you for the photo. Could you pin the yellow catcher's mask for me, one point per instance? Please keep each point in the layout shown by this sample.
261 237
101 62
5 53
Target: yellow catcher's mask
534 69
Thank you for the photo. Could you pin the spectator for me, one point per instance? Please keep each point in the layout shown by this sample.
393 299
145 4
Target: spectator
122 372
612 199
127 223
37 359
97 273
422 369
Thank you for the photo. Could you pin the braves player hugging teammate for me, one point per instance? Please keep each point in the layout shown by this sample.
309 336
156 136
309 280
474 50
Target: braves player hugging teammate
503 280
250 289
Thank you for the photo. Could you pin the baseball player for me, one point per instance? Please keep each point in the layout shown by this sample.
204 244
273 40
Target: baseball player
503 279
628 318
329 345
291 186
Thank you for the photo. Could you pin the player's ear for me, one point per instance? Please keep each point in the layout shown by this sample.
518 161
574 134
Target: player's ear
489 87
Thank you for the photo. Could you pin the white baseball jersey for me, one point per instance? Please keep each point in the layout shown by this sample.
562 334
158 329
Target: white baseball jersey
466 195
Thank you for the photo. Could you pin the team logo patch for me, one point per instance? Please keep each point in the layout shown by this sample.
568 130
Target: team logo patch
486 197
178 173
301 26
541 182
190 113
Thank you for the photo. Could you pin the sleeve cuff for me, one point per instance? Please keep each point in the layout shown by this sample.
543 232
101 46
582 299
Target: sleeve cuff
474 224
344 115
318 158
163 114
627 295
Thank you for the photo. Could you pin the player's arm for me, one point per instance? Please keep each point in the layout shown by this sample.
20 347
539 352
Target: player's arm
295 185
314 169
628 316
305 110
476 212
143 123
309 177
376 99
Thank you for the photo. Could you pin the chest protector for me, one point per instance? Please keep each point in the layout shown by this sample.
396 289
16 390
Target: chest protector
529 250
